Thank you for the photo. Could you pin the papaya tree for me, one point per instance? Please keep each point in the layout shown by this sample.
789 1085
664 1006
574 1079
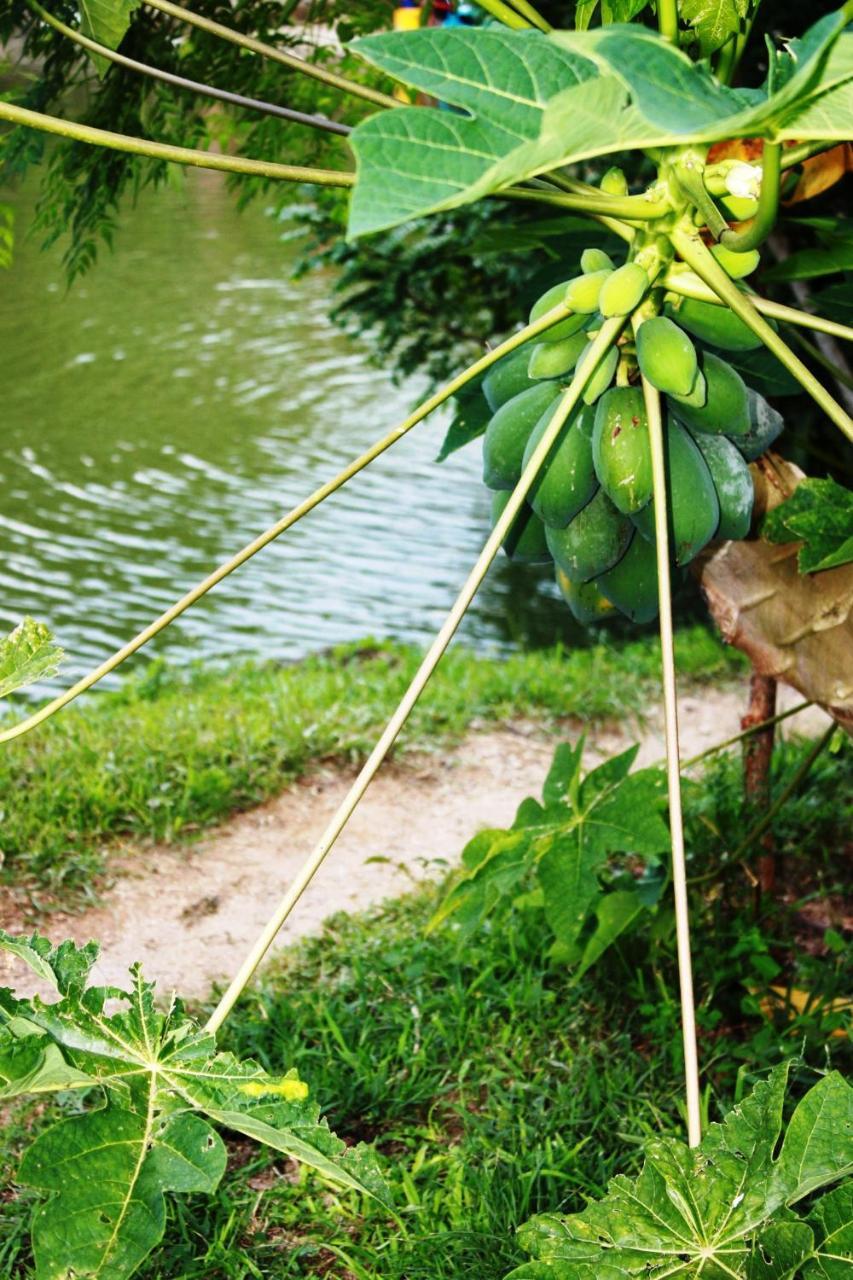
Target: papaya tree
625 440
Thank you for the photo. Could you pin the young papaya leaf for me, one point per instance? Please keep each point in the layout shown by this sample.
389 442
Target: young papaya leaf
107 22
714 22
27 654
615 913
831 1220
159 1082
819 514
720 1209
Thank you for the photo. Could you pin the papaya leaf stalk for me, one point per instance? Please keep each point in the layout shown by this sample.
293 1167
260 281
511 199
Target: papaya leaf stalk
688 285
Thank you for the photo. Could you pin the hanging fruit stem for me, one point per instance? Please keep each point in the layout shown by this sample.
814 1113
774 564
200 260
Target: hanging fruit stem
599 348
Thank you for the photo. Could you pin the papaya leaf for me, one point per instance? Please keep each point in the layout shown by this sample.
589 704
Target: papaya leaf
831 1219
713 21
723 1208
27 654
819 514
157 1082
567 842
470 419
107 22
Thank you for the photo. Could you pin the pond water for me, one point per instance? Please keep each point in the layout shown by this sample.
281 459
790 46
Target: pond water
176 401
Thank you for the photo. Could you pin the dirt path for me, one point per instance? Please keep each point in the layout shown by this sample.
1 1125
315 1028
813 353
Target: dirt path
189 914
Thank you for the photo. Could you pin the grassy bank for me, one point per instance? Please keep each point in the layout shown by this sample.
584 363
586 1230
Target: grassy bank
175 751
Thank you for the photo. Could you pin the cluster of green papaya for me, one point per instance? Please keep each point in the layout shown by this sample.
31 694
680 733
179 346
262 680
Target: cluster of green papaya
590 508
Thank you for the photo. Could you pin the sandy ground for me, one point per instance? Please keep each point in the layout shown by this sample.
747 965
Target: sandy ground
189 914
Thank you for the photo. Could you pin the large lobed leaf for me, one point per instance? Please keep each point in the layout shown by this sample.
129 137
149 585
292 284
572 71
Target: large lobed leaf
158 1082
724 1208
566 843
517 103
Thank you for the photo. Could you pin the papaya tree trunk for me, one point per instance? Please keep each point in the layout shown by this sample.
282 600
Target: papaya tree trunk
757 764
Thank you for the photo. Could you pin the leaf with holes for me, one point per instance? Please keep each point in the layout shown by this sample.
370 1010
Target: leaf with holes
819 514
722 1209
27 654
156 1082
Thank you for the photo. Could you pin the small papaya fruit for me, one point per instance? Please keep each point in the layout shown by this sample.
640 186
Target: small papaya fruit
525 540
614 182
621 452
732 481
554 359
603 376
739 208
737 266
507 433
507 378
716 325
595 260
693 509
623 290
583 292
632 584
666 356
567 480
593 542
726 407
583 598
563 328
765 425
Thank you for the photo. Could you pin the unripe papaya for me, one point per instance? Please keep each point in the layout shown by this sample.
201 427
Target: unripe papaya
736 265
666 356
623 290
595 260
553 359
732 481
583 598
765 424
632 584
697 397
693 506
614 182
726 408
583 292
525 540
603 376
507 433
507 378
563 328
567 480
621 452
716 325
593 542
739 208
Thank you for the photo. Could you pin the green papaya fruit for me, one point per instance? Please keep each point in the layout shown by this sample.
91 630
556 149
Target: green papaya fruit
507 433
593 542
726 407
693 506
716 325
736 265
623 290
553 359
666 356
595 260
739 208
507 378
567 480
614 182
621 453
583 598
563 328
525 540
697 397
732 481
765 424
603 376
632 584
583 292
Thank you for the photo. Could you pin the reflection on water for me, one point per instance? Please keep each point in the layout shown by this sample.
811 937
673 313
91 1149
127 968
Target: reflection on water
178 400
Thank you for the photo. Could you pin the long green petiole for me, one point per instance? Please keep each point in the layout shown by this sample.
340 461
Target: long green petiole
687 285
174 155
312 69
691 178
636 208
607 335
756 231
181 82
702 261
745 733
673 763
506 14
668 19
534 16
286 522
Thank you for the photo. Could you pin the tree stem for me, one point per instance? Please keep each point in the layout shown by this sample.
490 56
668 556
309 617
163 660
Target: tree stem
194 86
485 362
673 764
756 231
174 155
608 334
757 766
312 69
693 251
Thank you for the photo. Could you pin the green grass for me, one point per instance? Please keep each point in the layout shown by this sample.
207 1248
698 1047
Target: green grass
173 752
